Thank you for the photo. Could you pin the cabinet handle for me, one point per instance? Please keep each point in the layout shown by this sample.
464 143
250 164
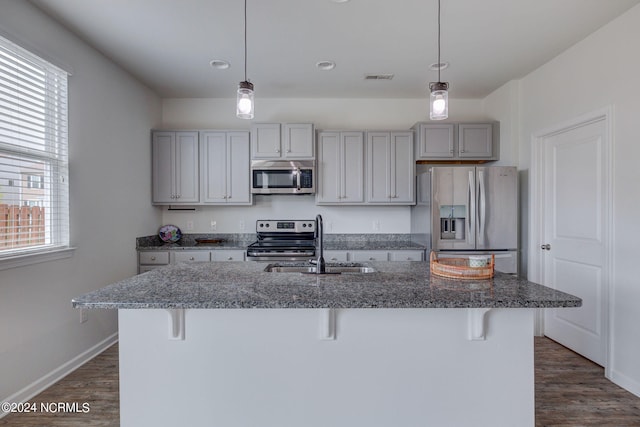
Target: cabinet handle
372 259
277 150
334 259
153 258
230 258
191 258
288 150
462 151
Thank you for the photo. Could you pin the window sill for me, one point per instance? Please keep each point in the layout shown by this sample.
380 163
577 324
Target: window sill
22 260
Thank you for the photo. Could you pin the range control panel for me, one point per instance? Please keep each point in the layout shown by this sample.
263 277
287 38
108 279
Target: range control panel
286 226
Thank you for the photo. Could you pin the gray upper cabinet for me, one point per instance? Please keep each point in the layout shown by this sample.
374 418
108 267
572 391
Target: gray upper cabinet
457 141
175 175
340 168
475 140
435 141
282 141
390 168
225 174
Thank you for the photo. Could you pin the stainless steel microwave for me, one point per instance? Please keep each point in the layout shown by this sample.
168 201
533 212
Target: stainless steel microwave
283 177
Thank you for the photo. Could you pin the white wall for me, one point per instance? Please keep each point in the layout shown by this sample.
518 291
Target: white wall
344 114
602 70
110 117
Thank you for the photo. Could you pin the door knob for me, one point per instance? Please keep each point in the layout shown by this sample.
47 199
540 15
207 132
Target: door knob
546 247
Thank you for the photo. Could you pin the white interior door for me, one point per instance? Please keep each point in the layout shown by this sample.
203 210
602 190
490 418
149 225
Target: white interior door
574 243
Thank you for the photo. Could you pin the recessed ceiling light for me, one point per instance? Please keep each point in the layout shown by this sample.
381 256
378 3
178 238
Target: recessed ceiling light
439 66
219 64
326 65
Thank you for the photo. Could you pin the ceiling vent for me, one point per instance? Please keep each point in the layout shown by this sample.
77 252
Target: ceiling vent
378 76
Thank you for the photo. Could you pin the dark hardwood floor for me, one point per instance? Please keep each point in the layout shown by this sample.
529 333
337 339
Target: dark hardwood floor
570 391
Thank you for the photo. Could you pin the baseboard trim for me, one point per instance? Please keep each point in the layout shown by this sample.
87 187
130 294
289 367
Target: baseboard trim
46 381
629 384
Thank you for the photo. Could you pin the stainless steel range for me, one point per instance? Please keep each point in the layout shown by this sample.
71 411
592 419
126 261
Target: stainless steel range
283 240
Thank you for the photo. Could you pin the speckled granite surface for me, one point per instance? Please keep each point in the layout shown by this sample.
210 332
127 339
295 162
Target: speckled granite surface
247 285
344 242
188 242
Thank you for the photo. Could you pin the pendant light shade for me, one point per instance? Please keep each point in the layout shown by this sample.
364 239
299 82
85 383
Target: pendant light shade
439 98
439 101
244 101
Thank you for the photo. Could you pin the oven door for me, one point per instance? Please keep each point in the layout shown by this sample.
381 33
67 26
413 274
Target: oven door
262 252
270 177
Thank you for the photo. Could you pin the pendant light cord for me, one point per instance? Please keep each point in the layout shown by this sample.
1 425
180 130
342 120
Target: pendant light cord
245 40
439 63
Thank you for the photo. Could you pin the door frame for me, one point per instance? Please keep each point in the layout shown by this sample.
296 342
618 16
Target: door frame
536 214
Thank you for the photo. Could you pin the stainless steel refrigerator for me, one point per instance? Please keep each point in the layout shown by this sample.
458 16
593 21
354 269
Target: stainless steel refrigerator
472 210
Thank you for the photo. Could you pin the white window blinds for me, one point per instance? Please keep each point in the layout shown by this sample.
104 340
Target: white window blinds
34 197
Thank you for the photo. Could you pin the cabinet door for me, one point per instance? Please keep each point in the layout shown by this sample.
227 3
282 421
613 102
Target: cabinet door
435 141
227 255
328 188
163 190
190 256
402 172
214 167
335 256
297 141
238 174
153 257
369 256
475 140
378 167
265 141
352 167
406 255
186 167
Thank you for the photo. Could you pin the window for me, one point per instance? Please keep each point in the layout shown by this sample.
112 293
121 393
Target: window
34 197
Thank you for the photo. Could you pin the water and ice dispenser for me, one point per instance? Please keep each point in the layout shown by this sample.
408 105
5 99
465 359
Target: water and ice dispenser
453 222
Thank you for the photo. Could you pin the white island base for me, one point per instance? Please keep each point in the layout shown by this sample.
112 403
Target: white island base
321 368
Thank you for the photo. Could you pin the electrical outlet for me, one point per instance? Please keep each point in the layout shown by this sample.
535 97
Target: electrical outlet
376 225
329 226
214 225
241 225
189 226
84 316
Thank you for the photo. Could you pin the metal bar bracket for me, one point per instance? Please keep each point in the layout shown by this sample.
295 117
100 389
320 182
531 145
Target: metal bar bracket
327 324
176 324
476 323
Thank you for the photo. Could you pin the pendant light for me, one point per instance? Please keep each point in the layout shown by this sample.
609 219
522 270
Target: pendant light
439 98
245 101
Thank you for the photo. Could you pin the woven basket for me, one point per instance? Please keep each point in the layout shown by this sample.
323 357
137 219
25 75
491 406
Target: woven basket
458 268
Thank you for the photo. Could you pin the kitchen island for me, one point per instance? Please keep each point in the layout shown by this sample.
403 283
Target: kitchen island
229 344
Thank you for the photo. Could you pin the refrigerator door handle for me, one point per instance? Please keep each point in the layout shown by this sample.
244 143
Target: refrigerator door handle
482 209
471 217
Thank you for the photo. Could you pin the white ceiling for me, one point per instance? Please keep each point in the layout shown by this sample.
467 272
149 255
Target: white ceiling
168 44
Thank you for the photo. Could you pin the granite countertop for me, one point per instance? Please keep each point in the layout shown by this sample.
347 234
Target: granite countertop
342 242
246 285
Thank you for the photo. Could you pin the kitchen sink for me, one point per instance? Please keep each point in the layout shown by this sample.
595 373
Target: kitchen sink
311 269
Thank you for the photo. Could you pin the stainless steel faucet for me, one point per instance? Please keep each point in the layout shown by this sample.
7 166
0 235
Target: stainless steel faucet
319 261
